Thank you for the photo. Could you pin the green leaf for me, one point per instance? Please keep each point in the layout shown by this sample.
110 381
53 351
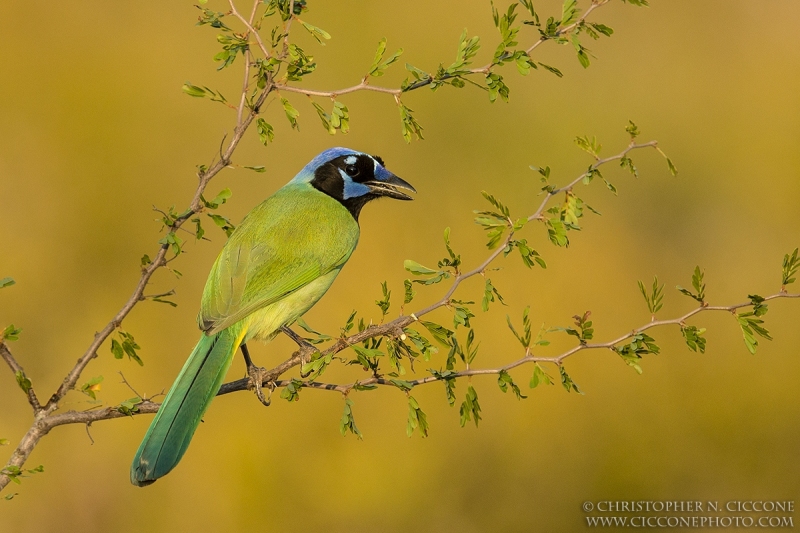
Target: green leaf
193 90
349 323
632 129
260 169
449 379
421 343
316 33
569 12
528 254
489 294
461 313
410 126
557 232
11 333
440 333
222 222
91 387
265 131
694 338
602 29
6 282
291 392
470 408
130 406
378 66
417 269
567 382
317 365
222 197
116 349
554 70
525 338
540 377
698 284
23 381
384 303
791 264
654 298
640 344
589 145
319 337
672 168
409 292
348 422
751 325
505 383
291 113
417 420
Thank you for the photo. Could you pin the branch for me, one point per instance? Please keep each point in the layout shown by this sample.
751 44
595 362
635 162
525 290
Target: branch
249 25
529 357
365 86
17 369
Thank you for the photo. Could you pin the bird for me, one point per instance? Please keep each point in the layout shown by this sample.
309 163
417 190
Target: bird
275 266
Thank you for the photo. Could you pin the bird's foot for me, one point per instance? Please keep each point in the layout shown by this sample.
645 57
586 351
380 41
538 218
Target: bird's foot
257 375
305 358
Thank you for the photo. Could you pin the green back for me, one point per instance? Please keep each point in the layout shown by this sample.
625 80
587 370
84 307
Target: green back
292 238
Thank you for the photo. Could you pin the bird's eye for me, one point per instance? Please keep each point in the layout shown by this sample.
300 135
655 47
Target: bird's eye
351 170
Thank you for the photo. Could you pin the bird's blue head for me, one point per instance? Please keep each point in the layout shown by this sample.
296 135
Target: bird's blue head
353 178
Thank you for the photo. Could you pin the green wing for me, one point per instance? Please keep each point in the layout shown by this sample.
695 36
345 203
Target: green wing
291 239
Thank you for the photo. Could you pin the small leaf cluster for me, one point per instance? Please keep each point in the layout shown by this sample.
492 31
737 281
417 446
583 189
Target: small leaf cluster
489 295
417 420
567 382
751 323
583 330
379 66
204 92
23 381
699 286
317 365
10 333
129 406
655 297
694 338
14 473
291 391
791 264
318 337
92 387
470 408
337 120
505 383
640 344
348 422
126 345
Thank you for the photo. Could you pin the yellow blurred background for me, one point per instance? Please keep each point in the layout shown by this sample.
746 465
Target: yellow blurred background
95 131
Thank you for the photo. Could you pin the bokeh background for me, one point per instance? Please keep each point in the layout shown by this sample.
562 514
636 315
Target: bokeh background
95 131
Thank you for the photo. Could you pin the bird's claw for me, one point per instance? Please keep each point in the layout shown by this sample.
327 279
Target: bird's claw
305 358
257 375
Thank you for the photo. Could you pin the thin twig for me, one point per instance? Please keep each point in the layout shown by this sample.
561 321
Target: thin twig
17 369
365 86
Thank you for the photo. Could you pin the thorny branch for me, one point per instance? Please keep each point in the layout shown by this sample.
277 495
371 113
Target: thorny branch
365 85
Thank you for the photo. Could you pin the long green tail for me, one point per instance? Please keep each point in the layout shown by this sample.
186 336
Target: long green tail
173 426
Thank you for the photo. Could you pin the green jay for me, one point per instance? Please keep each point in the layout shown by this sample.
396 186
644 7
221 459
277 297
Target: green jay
275 266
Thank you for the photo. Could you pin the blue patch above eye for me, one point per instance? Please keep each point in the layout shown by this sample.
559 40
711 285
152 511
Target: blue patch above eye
381 173
352 189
